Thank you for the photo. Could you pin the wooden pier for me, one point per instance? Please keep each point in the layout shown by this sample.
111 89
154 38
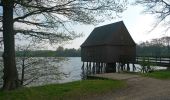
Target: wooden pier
115 76
92 68
157 61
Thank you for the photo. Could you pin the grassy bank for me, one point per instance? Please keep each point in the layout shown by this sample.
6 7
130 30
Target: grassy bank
67 91
162 74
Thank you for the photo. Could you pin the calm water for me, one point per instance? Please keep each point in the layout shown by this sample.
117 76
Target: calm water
72 68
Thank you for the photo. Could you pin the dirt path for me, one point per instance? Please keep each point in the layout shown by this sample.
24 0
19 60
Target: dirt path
139 88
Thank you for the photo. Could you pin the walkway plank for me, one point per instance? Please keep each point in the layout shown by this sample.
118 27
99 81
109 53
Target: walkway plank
117 76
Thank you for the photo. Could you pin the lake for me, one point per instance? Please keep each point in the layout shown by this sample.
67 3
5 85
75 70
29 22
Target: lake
71 67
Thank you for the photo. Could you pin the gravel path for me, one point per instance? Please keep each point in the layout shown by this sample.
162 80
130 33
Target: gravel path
139 88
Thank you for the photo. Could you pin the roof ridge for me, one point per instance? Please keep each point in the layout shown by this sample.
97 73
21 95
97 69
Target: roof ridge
111 34
110 24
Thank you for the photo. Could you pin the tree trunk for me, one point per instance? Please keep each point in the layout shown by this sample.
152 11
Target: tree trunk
10 78
23 71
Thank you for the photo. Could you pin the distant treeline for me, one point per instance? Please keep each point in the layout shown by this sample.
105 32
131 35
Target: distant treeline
159 47
60 52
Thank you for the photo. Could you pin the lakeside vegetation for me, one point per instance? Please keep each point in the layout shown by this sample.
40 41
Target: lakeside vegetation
72 90
158 74
161 74
157 47
60 52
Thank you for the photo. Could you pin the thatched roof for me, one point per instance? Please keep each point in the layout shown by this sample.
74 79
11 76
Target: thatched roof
111 34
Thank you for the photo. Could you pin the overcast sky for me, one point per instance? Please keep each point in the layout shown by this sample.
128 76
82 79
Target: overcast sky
137 23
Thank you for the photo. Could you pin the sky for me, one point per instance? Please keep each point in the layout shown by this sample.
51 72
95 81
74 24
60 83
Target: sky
137 23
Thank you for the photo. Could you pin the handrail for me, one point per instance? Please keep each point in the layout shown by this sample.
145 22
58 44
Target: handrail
161 61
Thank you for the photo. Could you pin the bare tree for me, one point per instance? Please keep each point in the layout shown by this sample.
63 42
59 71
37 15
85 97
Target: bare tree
36 70
160 9
39 70
47 20
52 19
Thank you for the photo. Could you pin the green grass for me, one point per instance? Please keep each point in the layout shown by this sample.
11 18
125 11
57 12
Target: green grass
162 74
67 91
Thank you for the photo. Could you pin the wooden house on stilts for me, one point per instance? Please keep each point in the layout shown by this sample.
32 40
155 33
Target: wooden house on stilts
106 46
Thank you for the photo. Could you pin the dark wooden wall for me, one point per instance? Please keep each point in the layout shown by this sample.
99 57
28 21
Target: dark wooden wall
108 53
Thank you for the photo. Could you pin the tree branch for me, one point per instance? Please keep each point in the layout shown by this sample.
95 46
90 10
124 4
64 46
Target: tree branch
159 8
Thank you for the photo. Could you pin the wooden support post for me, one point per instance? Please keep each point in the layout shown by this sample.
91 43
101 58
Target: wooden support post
118 67
87 69
97 67
102 67
111 67
134 68
82 66
83 76
93 68
122 66
128 68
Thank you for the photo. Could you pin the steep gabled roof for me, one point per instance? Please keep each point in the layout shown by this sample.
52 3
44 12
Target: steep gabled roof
111 34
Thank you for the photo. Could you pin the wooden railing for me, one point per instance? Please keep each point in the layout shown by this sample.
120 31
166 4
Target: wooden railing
158 61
